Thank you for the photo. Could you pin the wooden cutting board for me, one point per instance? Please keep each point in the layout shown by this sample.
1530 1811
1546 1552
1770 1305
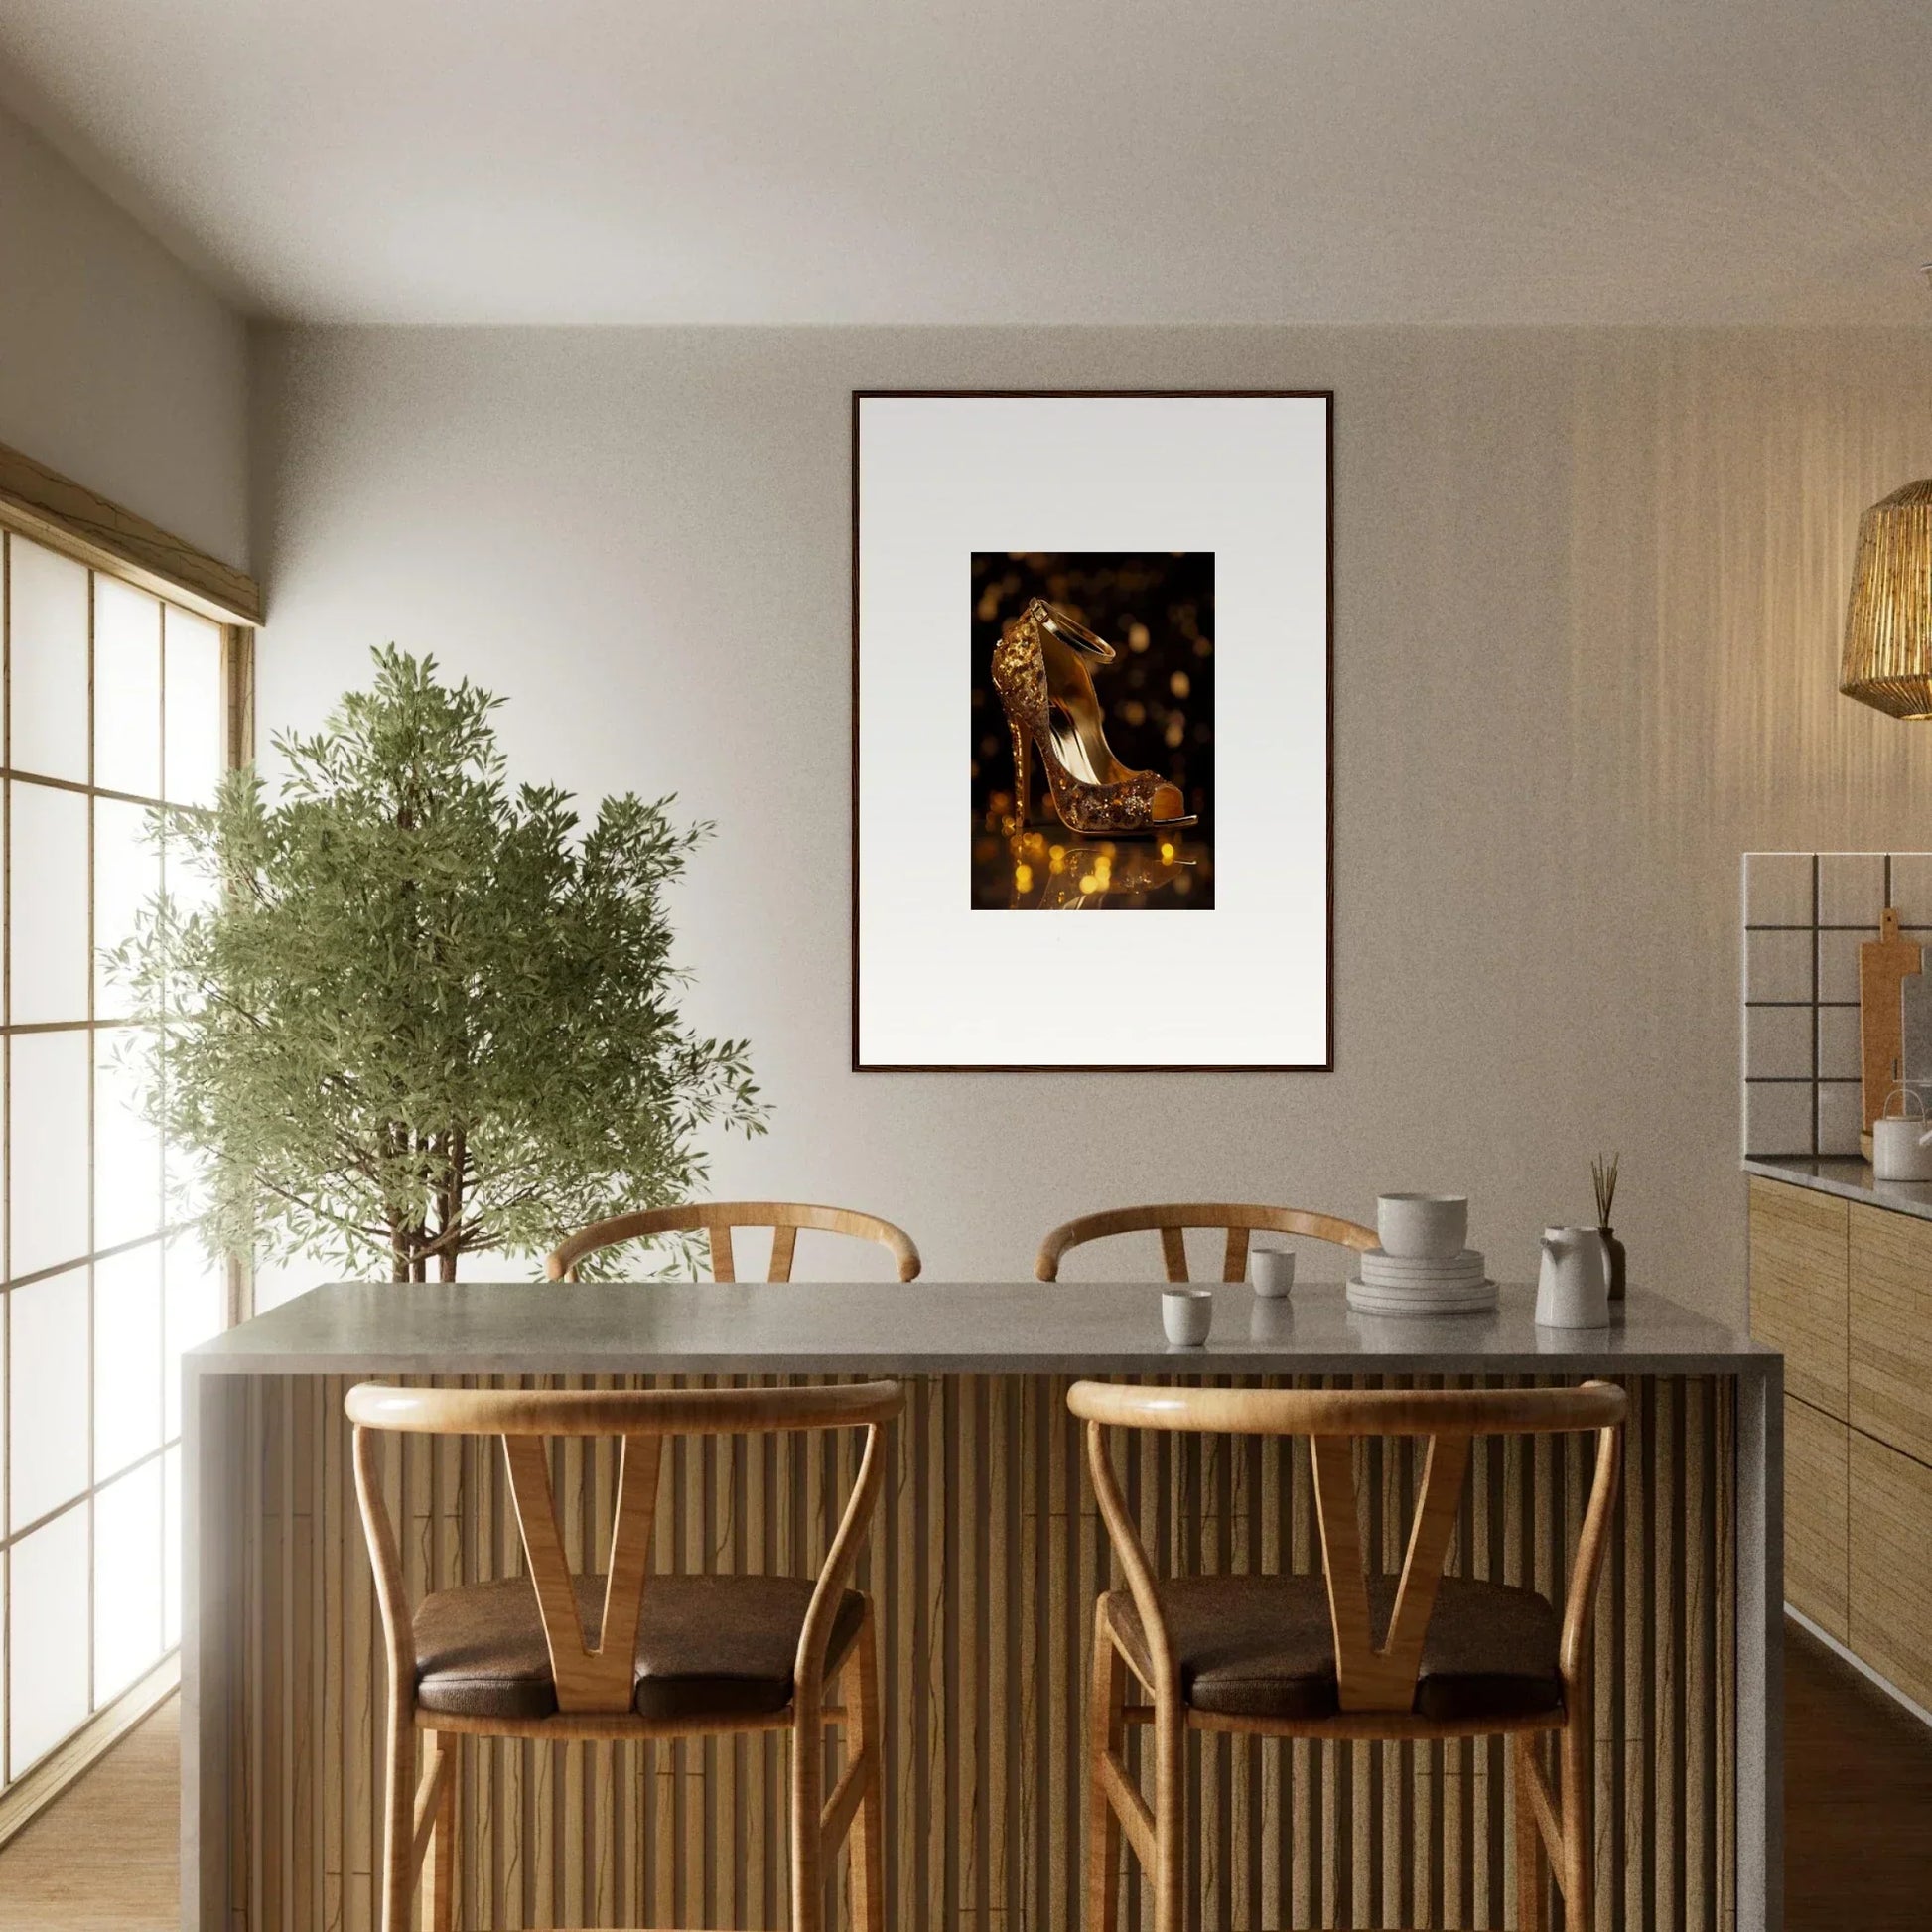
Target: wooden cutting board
1885 963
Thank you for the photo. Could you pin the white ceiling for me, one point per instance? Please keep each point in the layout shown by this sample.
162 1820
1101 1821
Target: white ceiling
753 161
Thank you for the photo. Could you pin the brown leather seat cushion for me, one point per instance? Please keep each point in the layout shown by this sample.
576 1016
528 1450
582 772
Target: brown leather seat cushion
1263 1647
706 1646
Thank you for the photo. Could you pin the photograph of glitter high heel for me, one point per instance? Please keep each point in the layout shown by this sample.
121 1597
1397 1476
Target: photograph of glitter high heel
1093 730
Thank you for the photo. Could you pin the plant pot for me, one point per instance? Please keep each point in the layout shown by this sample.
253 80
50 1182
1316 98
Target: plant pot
1615 1250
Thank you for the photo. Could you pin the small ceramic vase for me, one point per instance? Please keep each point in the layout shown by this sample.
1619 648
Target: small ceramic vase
1614 1249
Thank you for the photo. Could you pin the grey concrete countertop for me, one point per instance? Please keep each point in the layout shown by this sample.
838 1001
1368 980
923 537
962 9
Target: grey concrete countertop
931 1328
1849 1179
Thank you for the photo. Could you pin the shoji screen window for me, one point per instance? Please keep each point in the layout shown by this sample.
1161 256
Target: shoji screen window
115 700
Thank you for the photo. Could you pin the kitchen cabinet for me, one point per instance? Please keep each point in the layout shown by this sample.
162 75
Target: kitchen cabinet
1840 1282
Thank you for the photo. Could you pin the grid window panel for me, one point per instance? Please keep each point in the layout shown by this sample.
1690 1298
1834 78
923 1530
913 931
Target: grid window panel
47 879
48 1637
193 1308
127 877
129 1618
115 699
127 689
170 1546
127 1151
46 669
128 1358
194 721
46 1415
46 1137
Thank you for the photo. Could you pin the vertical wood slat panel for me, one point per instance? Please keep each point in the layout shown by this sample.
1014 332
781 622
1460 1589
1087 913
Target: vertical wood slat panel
985 1560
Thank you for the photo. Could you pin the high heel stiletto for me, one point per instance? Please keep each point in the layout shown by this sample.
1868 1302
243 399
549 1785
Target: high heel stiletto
1040 675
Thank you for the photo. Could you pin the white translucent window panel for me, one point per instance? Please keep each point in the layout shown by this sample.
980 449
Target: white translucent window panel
196 1298
46 852
184 1183
171 1548
127 1358
196 714
48 669
47 1419
127 689
127 877
46 1657
190 887
48 1139
127 1580
127 1151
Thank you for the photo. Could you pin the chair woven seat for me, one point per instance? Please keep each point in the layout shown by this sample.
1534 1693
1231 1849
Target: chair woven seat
706 1646
1253 1647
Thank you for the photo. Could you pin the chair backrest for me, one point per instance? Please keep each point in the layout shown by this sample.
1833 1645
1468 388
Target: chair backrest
592 1670
717 1218
1173 1218
1371 1675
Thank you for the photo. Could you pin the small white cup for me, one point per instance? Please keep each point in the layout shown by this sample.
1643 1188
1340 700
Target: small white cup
1273 1272
1186 1313
1417 1227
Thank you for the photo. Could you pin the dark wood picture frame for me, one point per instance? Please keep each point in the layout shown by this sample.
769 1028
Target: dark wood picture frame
1326 397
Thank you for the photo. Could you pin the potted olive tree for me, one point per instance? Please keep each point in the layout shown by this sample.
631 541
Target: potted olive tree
419 1014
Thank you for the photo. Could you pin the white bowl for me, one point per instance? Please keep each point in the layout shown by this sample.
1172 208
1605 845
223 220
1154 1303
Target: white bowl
1433 1227
1186 1313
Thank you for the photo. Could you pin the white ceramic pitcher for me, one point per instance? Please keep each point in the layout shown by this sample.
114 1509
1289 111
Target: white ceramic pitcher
1572 1291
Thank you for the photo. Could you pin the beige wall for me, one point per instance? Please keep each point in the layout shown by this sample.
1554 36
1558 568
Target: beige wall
1588 586
117 367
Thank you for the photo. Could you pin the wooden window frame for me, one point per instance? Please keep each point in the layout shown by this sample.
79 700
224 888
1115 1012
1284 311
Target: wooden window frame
45 508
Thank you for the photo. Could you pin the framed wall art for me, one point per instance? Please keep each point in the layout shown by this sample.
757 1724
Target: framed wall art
1091 668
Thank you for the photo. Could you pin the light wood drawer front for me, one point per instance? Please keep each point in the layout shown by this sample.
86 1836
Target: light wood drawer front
1891 1566
1798 1288
1891 1329
1816 1475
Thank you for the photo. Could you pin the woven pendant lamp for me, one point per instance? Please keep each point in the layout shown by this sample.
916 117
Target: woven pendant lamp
1888 628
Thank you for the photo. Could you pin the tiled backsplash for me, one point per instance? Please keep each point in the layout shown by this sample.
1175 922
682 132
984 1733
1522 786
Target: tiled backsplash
1806 913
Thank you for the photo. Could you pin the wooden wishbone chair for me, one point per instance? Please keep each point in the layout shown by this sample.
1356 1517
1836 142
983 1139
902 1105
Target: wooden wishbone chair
718 1217
1299 1656
1173 1218
560 1657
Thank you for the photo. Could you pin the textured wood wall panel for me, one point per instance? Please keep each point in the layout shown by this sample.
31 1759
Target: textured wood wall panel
986 1559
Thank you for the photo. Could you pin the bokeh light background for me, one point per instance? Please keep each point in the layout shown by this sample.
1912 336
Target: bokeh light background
1157 701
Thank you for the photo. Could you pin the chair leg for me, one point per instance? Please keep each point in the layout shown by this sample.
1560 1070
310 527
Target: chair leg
807 1799
1578 1831
866 1735
439 1871
1106 1734
399 1819
1532 1886
1169 1873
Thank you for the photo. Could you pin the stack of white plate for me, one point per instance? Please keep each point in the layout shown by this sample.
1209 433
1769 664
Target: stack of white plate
1422 1284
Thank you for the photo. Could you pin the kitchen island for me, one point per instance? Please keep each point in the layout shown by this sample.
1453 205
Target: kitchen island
986 1557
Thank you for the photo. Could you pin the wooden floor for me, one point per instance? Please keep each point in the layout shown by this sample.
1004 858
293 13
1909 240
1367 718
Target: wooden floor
1858 1820
106 1856
1858 1774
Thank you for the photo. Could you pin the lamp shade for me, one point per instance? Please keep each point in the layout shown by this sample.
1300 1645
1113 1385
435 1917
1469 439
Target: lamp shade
1888 628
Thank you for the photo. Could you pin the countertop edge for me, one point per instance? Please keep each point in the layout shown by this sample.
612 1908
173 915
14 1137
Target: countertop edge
1847 1179
1207 1363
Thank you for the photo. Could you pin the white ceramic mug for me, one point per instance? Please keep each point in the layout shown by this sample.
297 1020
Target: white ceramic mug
1273 1271
1186 1313
1417 1227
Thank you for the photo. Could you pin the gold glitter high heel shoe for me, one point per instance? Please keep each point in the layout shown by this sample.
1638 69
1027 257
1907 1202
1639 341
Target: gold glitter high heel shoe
1040 675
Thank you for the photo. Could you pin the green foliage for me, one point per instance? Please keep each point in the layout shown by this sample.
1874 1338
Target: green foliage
422 1016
